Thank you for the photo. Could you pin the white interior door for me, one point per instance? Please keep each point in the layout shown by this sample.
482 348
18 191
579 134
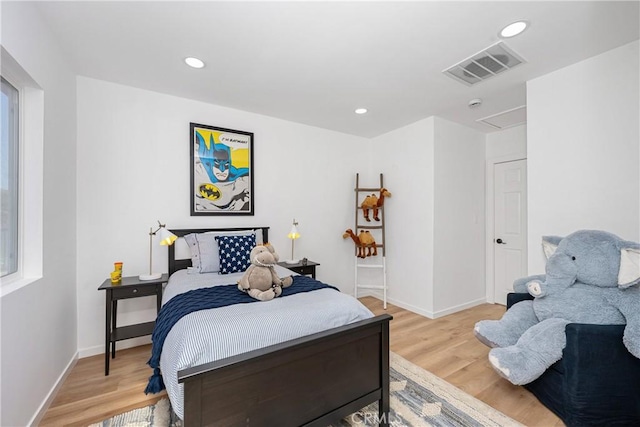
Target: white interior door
510 228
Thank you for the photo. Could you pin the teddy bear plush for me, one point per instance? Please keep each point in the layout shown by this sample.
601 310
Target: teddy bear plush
260 280
591 277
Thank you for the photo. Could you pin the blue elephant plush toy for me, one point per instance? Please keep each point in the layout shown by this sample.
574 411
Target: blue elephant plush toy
591 277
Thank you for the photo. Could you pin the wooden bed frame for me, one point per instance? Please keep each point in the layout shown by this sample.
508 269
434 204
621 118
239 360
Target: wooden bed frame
312 381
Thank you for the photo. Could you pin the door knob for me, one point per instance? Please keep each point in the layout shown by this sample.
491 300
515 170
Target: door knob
500 242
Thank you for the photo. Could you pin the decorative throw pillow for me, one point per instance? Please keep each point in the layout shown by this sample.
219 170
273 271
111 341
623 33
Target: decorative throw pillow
204 252
235 253
205 257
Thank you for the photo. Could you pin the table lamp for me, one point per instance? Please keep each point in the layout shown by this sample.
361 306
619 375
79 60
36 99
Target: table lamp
166 238
293 235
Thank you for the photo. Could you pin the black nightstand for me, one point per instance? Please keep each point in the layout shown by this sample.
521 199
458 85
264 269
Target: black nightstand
307 270
129 287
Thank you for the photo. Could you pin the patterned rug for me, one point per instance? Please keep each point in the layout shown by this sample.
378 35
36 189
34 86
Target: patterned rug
418 399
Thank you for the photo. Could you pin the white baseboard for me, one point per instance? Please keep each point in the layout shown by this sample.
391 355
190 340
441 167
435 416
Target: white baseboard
410 307
37 417
459 307
87 352
398 303
422 312
121 345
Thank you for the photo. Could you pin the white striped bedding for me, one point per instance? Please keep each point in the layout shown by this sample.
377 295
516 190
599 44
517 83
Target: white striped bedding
214 334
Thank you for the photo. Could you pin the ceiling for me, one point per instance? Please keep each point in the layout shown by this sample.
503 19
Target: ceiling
316 62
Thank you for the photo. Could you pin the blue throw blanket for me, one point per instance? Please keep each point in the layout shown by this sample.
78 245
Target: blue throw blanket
203 299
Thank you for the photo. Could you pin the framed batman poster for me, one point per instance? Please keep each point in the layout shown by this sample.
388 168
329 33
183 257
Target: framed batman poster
221 171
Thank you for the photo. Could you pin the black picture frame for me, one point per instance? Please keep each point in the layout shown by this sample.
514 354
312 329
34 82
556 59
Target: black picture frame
221 171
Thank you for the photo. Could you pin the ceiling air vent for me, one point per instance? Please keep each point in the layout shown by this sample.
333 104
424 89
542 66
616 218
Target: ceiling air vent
485 64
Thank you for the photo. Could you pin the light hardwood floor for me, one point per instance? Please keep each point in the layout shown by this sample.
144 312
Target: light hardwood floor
444 346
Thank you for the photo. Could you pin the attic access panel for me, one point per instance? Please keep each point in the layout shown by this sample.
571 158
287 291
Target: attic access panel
485 64
506 119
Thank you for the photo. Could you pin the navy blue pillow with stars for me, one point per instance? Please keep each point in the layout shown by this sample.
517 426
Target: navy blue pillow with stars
235 253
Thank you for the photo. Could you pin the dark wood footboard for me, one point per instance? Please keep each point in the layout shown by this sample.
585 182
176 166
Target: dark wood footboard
313 380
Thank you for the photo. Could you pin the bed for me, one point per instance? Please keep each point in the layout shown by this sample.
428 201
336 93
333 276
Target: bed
314 372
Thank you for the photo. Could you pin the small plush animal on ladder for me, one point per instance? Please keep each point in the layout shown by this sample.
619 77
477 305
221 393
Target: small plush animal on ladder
367 241
374 203
349 233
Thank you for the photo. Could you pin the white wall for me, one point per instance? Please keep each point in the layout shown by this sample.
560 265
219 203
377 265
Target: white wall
459 217
405 157
435 218
583 149
38 329
133 169
508 142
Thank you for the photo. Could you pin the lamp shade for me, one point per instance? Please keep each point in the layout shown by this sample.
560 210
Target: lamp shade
293 234
166 237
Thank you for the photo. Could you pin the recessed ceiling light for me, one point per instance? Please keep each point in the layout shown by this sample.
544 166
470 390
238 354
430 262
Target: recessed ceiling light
361 110
194 62
513 29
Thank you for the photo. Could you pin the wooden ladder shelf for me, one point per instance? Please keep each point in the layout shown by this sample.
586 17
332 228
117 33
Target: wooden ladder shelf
377 226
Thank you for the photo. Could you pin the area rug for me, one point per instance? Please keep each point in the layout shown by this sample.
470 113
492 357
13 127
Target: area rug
418 399
158 415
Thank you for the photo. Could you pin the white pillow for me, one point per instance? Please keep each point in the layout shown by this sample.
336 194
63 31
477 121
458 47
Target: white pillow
205 257
181 249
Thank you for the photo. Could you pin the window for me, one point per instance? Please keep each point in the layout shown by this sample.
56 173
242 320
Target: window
21 176
9 179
